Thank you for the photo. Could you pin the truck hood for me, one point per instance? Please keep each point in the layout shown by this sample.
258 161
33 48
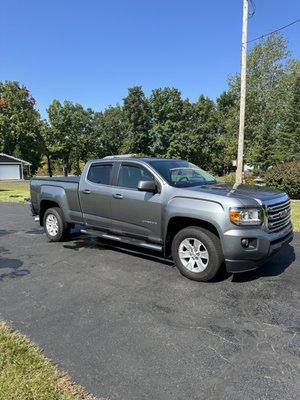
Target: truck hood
244 193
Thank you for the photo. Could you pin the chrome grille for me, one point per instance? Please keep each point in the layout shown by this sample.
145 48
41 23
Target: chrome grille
279 215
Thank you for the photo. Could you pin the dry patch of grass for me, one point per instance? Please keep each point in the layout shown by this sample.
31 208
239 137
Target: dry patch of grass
26 374
15 192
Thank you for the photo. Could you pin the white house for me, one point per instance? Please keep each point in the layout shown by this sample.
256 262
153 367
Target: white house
12 168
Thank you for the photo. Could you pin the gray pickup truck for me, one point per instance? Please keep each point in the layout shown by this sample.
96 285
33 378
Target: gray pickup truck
170 206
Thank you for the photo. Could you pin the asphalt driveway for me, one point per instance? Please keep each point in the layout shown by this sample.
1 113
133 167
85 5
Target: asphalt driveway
129 326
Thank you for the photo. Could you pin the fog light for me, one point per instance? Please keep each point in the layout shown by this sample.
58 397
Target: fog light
245 243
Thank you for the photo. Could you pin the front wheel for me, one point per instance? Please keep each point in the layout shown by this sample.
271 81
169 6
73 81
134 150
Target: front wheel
55 226
197 253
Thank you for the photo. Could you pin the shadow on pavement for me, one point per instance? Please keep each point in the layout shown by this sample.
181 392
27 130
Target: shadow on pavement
275 266
78 241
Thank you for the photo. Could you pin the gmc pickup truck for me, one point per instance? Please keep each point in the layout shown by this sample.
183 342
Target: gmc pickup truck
170 206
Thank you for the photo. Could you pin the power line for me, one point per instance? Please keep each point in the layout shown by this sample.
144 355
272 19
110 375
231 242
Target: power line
276 30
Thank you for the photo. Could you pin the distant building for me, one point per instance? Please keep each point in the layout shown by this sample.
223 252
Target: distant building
12 168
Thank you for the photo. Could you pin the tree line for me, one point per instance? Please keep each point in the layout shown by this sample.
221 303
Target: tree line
164 124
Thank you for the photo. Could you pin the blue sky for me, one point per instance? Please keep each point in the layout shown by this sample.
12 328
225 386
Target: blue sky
91 51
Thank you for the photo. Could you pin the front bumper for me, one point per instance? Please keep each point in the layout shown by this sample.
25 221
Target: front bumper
239 259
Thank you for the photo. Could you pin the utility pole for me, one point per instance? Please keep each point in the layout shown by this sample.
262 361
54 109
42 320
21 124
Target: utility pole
240 155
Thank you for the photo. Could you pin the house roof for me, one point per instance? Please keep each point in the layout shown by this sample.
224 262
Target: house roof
5 158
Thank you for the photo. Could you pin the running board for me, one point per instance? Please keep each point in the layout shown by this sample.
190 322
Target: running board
122 239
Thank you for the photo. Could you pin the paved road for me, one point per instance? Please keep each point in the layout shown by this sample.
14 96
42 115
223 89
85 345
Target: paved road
131 327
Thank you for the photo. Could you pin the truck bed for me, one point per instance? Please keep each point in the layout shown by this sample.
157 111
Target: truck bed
62 191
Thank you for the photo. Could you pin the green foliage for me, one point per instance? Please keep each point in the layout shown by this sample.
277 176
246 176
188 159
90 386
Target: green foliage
230 178
70 131
287 146
164 124
285 177
227 115
271 84
108 132
168 118
20 126
136 115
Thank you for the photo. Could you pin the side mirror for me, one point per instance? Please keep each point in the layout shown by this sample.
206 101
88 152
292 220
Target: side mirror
147 186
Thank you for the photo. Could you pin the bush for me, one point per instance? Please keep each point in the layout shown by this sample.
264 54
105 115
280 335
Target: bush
229 179
286 177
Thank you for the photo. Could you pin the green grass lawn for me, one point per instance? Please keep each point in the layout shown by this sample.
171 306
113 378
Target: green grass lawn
16 192
19 191
25 374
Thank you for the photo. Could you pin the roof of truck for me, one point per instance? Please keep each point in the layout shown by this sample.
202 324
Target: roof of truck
136 158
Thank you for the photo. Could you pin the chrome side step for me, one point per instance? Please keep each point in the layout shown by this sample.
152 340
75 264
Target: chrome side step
122 239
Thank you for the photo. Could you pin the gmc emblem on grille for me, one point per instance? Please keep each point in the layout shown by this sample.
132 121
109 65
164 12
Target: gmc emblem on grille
283 213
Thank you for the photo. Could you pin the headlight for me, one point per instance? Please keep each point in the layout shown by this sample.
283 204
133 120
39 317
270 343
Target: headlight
246 216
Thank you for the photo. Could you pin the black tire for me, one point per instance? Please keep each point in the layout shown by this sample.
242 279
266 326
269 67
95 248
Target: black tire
212 243
63 228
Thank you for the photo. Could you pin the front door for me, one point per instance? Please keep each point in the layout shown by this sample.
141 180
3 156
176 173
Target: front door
95 194
135 213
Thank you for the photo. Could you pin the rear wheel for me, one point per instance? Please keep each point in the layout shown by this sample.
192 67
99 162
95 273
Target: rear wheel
197 253
55 226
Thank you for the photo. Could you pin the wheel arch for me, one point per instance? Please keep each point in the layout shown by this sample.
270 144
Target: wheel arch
177 223
44 206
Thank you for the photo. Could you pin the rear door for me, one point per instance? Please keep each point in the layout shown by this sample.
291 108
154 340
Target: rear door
135 213
95 193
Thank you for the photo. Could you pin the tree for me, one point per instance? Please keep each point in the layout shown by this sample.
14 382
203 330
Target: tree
287 146
71 129
108 132
205 133
168 117
49 145
136 121
196 140
227 115
267 93
20 125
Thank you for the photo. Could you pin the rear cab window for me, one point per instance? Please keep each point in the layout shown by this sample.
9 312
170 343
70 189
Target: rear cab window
100 173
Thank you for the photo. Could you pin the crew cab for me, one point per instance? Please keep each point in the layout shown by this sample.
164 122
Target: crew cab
169 206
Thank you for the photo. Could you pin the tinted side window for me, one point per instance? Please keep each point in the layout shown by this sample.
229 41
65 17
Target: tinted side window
129 176
100 174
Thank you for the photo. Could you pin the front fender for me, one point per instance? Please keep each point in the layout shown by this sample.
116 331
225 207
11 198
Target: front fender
201 209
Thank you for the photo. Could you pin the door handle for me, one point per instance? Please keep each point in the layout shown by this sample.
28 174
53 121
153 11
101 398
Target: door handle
117 196
86 191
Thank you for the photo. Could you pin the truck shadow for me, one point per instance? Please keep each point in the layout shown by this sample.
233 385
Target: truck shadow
78 241
275 266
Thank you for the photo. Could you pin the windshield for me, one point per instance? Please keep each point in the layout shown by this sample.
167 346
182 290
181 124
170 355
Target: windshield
182 173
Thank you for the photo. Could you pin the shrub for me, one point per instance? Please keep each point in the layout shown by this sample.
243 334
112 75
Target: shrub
229 179
286 177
